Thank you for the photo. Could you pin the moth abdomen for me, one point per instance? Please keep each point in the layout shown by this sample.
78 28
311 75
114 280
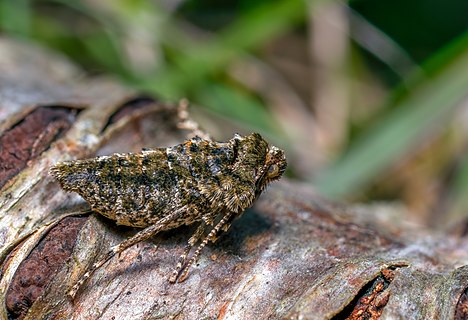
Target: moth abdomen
73 175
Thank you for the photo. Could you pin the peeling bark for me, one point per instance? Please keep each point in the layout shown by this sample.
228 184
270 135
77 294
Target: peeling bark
30 137
35 272
293 255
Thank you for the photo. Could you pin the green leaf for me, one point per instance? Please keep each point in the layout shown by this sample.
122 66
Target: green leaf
15 16
428 105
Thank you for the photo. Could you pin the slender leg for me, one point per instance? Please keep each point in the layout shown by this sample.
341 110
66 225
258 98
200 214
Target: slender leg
140 236
192 241
181 274
189 124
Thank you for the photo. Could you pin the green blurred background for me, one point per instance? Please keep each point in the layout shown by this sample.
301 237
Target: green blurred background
369 98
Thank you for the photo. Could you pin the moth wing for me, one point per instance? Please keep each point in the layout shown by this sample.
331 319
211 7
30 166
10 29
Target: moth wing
121 186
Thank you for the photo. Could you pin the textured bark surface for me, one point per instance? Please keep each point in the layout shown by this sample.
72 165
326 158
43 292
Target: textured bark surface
293 255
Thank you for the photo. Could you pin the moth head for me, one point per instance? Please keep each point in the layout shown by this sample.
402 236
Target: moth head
272 169
267 163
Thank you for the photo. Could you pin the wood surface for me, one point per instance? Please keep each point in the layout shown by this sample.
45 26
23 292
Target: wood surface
294 255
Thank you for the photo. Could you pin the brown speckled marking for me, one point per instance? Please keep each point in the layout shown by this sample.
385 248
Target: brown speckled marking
159 189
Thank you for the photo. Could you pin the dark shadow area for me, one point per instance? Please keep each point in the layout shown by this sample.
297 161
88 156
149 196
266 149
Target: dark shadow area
250 224
127 108
462 306
371 299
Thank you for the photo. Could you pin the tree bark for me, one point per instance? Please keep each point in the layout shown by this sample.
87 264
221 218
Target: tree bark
294 255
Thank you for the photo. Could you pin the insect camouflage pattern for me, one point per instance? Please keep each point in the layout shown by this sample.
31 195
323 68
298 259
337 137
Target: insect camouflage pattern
198 181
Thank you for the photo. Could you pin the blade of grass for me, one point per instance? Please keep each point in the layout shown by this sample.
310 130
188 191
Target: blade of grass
229 102
15 16
248 32
458 207
104 44
429 104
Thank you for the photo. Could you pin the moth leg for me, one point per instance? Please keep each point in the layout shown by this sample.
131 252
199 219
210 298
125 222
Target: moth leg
139 237
192 241
223 223
189 124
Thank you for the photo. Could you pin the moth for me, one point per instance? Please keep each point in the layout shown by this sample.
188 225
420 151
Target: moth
199 181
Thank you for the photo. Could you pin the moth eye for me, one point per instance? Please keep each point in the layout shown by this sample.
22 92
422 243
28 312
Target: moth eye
273 171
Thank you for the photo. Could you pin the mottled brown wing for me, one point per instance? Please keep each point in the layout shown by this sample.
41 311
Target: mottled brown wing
133 189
